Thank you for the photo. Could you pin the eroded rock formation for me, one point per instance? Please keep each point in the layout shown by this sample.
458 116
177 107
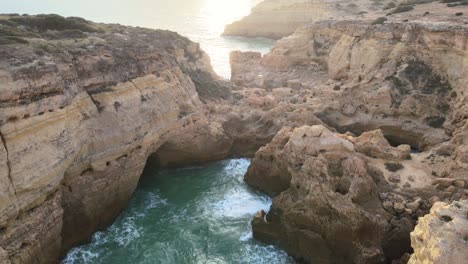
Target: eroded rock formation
440 237
82 107
402 104
335 201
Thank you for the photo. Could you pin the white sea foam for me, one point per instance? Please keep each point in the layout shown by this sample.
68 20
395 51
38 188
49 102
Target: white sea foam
128 232
153 200
246 236
260 254
227 208
80 256
239 203
236 167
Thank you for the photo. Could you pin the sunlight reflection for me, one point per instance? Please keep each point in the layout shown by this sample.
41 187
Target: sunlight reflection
222 12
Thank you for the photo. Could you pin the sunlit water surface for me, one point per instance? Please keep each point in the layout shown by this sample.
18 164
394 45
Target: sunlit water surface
202 21
191 215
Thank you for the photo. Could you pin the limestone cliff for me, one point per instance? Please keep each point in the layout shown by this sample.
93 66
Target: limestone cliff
82 106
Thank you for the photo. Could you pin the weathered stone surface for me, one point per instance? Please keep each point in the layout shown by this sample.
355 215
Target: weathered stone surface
78 121
328 209
4 256
374 144
35 236
311 172
440 237
375 68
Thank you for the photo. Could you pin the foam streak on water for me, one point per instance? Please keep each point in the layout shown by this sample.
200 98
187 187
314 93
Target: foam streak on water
191 215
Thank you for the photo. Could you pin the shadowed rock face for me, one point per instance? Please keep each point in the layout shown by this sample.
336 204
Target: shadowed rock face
334 200
80 114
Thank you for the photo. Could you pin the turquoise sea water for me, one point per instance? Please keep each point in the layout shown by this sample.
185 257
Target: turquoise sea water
202 21
190 215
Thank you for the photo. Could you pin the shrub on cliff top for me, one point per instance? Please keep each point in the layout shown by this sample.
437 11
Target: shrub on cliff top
209 87
401 9
389 6
12 40
379 21
462 3
53 22
393 167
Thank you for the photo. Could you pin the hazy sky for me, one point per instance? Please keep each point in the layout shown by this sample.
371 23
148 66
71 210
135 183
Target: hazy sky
131 12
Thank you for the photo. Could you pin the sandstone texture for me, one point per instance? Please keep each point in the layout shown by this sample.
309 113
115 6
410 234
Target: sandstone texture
82 106
85 105
360 77
333 204
440 237
396 94
336 202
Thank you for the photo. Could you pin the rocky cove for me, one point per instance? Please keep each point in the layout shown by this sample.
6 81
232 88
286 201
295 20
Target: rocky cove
357 130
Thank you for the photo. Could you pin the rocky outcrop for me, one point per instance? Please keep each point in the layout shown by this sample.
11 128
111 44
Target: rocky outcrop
403 108
328 210
82 107
360 77
374 144
440 237
337 200
237 127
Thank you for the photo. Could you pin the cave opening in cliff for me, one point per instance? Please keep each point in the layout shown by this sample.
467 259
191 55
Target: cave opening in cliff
153 165
395 135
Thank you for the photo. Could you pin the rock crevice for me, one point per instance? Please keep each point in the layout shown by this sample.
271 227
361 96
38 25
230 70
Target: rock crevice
7 161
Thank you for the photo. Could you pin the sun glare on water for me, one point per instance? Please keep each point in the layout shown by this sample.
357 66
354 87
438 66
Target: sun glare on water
221 12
